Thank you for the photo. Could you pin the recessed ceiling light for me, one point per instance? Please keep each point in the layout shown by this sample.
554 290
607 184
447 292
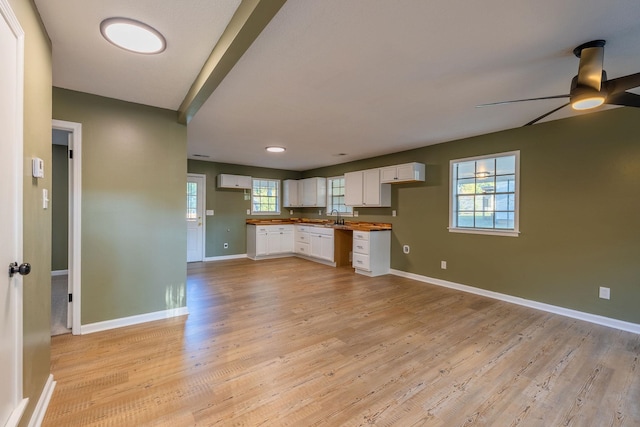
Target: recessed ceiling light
275 149
132 35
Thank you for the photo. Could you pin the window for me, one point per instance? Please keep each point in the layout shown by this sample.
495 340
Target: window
265 196
192 201
335 196
484 194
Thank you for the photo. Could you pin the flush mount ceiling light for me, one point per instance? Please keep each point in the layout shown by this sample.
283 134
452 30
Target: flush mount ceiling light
274 149
132 35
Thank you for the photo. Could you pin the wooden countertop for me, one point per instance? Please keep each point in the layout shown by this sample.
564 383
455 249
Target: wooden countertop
348 225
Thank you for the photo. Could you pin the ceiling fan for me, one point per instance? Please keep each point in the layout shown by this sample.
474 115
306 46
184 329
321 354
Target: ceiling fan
590 88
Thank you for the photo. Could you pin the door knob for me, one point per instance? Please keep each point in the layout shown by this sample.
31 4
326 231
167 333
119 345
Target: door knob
23 269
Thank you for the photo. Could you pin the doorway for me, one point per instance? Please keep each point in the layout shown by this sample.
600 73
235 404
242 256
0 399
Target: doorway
72 133
195 217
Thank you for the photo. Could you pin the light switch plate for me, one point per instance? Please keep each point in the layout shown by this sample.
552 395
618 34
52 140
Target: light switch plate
209 212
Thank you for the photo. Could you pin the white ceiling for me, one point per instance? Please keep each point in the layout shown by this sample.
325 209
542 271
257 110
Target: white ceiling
361 77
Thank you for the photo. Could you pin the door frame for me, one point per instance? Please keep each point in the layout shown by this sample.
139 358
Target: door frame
203 230
16 383
75 218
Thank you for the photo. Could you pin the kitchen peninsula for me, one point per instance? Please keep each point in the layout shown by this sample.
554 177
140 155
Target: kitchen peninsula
364 245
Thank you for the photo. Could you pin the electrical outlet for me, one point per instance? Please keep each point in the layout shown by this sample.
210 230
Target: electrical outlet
443 265
319 211
394 213
291 212
605 293
226 246
406 249
355 213
248 211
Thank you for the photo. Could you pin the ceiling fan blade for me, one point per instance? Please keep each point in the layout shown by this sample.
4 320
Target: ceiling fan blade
624 98
590 69
537 119
521 100
621 84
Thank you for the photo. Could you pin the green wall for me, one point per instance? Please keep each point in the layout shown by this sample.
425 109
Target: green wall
59 208
133 198
578 215
229 206
36 220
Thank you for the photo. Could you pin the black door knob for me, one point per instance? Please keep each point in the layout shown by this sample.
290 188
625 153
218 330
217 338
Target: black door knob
23 269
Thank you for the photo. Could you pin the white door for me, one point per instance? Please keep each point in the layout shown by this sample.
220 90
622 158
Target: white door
195 217
11 83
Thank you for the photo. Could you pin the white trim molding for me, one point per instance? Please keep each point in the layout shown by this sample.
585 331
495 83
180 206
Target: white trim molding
224 257
574 314
43 403
133 320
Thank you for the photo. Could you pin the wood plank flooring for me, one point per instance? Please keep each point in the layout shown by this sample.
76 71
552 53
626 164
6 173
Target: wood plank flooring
288 342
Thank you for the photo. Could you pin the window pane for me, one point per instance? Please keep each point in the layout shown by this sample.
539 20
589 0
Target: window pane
466 170
484 219
505 220
485 185
465 219
506 165
484 203
485 167
467 186
465 203
505 184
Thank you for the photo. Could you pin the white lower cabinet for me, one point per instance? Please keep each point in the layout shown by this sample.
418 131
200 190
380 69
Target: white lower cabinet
269 240
372 252
315 242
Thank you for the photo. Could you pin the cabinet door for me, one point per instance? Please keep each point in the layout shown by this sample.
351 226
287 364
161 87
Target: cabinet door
261 243
316 245
371 188
326 250
286 243
353 184
309 194
388 174
290 193
245 182
406 172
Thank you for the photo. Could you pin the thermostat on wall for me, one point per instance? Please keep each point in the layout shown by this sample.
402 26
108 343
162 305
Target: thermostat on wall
38 167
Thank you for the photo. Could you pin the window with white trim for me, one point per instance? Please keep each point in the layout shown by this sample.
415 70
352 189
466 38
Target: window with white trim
335 197
485 194
265 196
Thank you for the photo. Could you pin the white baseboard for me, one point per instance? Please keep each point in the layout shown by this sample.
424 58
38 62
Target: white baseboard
16 415
59 272
132 320
224 257
43 403
575 314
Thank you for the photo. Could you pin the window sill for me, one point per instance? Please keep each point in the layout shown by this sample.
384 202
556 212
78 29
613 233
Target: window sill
507 233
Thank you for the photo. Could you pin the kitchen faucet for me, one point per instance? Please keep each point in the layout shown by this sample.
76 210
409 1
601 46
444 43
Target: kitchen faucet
336 221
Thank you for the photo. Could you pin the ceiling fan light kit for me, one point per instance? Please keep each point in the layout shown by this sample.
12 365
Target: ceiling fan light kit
590 88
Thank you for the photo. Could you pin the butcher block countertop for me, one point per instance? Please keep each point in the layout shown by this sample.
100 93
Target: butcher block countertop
348 225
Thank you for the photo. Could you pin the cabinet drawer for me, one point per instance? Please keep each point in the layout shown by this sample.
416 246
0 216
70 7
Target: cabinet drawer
361 246
362 235
302 237
302 248
361 261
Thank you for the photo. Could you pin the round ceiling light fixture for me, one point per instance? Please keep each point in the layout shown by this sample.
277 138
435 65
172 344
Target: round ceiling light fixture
275 149
132 35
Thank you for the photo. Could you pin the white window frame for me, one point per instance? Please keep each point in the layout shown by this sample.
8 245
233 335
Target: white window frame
278 197
348 212
452 193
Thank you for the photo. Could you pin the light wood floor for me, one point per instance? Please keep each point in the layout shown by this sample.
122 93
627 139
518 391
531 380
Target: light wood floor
289 342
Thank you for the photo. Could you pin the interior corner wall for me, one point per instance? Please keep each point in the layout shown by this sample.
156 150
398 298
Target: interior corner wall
59 208
228 224
579 205
36 352
133 205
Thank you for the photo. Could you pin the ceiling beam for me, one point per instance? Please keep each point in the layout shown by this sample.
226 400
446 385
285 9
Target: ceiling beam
245 26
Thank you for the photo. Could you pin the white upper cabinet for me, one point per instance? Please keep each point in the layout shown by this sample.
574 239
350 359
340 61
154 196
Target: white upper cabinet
363 188
311 192
234 181
314 192
290 193
408 172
